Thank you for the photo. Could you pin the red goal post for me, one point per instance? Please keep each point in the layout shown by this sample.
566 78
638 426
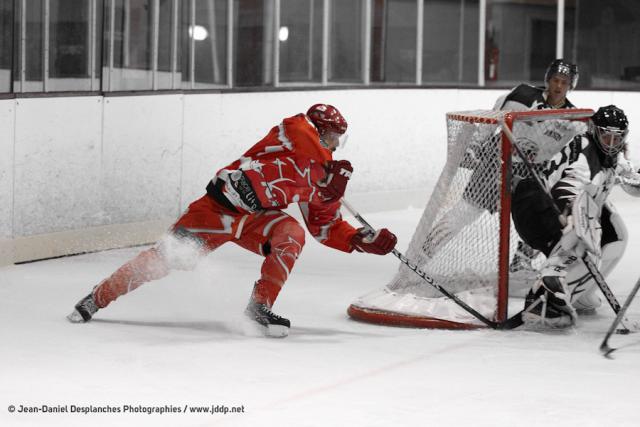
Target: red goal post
465 240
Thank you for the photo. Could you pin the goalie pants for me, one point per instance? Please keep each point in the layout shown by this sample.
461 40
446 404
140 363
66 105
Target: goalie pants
205 226
538 225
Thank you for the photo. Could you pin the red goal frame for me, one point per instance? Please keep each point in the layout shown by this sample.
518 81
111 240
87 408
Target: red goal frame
506 119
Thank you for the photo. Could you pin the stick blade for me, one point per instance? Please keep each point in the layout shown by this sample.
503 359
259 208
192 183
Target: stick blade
606 350
512 323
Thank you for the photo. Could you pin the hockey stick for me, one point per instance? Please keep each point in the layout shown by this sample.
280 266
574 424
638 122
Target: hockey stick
511 323
604 347
591 267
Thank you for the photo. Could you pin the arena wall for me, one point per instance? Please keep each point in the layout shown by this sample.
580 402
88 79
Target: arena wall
88 173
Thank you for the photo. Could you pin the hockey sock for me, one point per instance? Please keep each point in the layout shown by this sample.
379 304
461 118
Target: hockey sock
148 265
286 244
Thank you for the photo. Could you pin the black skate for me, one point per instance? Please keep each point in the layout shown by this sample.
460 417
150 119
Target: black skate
84 310
546 308
272 324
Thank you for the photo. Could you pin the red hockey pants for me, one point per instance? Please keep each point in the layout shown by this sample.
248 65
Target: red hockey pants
273 234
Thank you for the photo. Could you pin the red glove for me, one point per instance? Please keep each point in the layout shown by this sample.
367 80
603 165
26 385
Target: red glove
380 243
334 185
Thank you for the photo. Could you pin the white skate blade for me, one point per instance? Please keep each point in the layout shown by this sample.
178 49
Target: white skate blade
75 317
255 329
276 331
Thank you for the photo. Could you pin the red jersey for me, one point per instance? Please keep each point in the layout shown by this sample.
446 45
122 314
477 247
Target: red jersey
283 168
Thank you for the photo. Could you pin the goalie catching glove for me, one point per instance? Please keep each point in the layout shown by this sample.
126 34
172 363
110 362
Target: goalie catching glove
628 178
380 242
334 185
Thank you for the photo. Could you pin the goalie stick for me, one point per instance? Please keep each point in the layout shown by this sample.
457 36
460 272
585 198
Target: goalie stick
604 347
593 269
510 323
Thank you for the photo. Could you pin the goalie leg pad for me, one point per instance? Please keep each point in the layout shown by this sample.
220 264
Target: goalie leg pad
586 222
614 238
586 298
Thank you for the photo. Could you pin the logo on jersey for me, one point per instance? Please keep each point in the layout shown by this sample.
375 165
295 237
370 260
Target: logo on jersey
557 136
345 172
241 184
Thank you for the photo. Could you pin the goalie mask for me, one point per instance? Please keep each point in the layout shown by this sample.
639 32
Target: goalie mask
331 125
609 126
560 66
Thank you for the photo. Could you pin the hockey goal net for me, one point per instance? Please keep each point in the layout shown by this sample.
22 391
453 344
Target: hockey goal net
465 241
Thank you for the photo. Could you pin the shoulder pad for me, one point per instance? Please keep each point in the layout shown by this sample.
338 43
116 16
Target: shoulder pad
526 95
304 137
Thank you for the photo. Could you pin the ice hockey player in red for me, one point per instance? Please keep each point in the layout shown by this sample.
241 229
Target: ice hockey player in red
244 204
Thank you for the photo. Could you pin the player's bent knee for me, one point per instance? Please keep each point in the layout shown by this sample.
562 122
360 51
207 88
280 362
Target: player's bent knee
181 249
288 231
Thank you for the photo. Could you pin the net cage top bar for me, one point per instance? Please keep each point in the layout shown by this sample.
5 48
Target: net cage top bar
560 114
495 117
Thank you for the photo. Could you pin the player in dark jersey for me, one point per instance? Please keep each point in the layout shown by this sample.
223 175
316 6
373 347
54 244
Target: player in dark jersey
560 78
482 193
581 176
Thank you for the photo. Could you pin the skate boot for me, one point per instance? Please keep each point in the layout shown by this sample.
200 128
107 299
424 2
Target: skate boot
547 306
84 310
271 324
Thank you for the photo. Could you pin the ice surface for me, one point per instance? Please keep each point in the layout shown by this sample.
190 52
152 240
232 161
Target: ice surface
182 341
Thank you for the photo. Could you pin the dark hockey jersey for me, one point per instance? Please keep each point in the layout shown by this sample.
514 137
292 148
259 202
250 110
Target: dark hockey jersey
540 141
525 97
581 166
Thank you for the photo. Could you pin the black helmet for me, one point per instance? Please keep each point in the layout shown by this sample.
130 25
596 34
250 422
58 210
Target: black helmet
560 66
609 126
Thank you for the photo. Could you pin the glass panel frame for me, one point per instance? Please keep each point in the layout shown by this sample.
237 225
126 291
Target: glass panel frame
603 38
74 45
394 41
131 44
7 48
253 29
301 25
520 41
29 67
347 35
210 34
450 30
